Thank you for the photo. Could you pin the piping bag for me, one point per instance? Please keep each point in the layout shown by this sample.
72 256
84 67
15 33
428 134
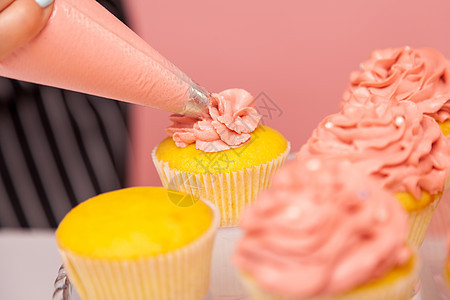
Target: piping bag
85 48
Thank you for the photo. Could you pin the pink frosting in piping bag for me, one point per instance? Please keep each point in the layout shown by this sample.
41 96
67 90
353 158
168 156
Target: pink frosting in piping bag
421 76
85 48
392 140
231 119
321 229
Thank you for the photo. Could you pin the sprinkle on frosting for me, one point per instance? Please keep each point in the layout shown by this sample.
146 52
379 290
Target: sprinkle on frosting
421 76
393 140
399 121
310 234
231 119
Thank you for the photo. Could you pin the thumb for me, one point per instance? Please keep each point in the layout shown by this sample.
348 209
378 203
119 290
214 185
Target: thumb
20 22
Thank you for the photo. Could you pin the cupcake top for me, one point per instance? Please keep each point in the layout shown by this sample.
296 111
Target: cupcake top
310 234
266 144
133 223
445 127
231 119
392 141
421 76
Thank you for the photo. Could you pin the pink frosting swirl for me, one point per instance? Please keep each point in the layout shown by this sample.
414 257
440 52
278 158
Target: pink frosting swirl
421 76
320 230
393 141
231 119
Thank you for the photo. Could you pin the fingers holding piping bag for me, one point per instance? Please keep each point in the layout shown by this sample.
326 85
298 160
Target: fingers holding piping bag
84 48
20 22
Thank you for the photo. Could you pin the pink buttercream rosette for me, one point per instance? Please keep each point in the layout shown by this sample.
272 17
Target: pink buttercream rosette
320 233
394 143
392 140
231 119
421 76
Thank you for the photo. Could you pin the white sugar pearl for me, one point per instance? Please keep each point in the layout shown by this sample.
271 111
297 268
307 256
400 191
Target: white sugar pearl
399 121
329 125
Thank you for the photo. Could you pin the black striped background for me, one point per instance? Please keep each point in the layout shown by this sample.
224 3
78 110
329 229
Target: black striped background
57 148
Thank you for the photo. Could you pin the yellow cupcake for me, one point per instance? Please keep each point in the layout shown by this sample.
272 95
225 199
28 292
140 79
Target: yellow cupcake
446 274
447 271
231 178
420 212
445 127
139 243
325 230
396 285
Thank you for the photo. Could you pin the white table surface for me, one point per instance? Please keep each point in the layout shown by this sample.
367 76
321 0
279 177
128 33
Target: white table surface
29 263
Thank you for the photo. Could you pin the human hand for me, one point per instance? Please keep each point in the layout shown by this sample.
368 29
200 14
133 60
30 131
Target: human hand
20 22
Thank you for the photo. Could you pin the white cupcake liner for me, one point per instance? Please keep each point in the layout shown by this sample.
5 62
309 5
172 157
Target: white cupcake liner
440 223
182 274
225 280
230 191
447 183
401 289
419 221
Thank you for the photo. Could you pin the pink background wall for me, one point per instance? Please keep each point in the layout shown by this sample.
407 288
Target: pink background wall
299 53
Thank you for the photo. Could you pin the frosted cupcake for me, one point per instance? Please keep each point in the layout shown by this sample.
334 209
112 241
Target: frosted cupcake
138 244
418 75
320 232
395 143
226 157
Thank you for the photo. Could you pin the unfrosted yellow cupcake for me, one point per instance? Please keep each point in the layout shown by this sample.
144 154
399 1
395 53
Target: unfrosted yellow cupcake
139 243
231 179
